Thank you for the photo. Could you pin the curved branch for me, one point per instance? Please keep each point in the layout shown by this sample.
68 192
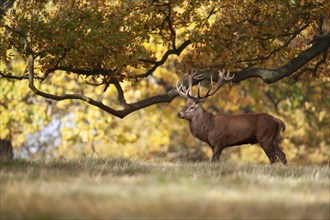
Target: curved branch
272 75
129 108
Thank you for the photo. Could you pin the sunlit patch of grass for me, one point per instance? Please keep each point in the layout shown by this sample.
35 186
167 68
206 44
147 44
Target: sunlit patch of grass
122 188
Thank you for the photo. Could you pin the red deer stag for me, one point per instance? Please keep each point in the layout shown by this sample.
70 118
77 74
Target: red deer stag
221 131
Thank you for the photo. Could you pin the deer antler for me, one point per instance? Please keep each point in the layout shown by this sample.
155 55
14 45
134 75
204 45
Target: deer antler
182 89
222 79
186 92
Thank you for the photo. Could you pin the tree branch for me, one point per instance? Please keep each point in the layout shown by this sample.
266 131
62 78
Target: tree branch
129 108
121 96
177 52
13 77
272 75
170 26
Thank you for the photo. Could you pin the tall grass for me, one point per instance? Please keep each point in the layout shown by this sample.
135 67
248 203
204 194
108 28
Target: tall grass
121 188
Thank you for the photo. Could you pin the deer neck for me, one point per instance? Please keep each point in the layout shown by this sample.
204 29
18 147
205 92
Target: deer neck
201 124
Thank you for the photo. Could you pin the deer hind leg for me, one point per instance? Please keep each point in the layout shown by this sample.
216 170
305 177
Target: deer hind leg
277 149
268 149
216 153
271 156
280 153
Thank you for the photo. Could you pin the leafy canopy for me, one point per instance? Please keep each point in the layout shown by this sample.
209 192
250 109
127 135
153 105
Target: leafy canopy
109 42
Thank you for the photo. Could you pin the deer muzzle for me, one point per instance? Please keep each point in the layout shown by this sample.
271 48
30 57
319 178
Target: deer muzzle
180 115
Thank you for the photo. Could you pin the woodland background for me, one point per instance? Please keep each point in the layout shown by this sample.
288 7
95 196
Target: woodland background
128 38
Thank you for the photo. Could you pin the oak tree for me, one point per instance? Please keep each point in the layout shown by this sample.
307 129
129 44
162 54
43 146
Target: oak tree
107 43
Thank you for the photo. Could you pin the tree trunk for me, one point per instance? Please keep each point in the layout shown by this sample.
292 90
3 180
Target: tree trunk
6 149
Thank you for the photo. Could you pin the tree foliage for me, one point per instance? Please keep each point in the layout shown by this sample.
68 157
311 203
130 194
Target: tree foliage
123 56
105 42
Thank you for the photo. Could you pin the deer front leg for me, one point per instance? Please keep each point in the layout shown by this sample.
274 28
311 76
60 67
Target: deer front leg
216 153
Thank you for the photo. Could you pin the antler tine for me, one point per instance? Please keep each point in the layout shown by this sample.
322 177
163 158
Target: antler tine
199 97
198 77
187 92
182 90
189 84
199 91
222 79
220 82
209 90
193 73
179 89
228 77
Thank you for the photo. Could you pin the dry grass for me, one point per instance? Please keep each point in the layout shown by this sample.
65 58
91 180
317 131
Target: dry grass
120 188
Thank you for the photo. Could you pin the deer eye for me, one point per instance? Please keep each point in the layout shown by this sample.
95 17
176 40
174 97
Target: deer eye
191 108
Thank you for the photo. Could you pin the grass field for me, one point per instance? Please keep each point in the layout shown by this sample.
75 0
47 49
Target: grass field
120 188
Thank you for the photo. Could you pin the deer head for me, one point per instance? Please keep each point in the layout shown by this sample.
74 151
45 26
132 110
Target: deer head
194 103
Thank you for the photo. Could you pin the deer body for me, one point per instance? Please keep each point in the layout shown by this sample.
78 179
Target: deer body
221 131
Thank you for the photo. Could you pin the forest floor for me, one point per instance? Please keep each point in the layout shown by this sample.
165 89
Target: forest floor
121 188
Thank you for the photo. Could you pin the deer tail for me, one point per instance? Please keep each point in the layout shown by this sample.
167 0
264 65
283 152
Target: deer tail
282 127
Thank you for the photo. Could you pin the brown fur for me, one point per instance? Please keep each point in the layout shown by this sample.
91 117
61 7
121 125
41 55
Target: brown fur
221 131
